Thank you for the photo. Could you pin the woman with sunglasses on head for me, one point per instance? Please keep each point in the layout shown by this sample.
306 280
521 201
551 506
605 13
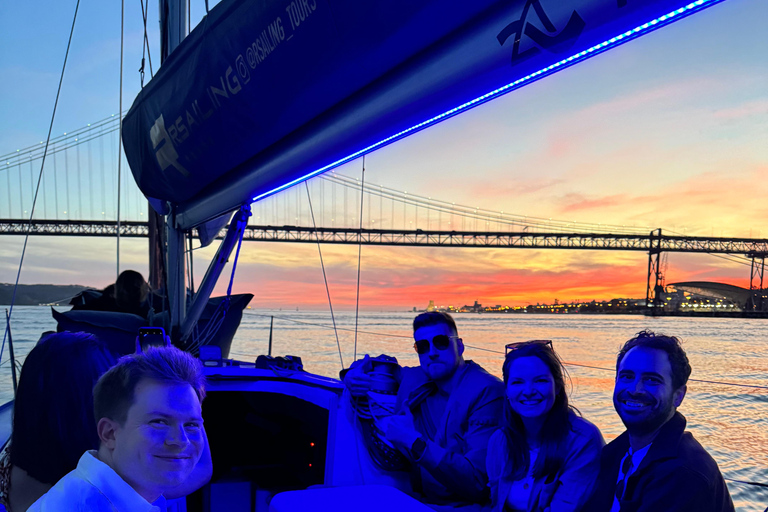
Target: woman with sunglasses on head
545 457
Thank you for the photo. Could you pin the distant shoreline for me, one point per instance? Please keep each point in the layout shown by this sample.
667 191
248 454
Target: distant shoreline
40 294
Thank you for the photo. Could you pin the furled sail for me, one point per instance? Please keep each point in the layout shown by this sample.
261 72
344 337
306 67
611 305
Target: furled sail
263 94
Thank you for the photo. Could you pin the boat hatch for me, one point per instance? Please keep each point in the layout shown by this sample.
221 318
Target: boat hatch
269 431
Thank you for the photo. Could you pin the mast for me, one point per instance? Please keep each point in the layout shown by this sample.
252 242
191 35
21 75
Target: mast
166 242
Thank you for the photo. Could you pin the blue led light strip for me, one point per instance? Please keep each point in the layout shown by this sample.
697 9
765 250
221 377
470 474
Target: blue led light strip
573 59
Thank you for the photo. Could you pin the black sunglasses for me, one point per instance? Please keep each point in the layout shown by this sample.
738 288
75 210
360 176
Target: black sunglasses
441 342
514 346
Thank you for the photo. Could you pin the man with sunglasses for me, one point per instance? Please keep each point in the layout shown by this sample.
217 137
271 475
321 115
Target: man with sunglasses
446 410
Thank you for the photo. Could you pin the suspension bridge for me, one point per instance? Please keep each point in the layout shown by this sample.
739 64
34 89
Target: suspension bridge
78 196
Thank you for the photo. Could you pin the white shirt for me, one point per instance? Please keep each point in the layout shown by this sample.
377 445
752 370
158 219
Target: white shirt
637 458
94 487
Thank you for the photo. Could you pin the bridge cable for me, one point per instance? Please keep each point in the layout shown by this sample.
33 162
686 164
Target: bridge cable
120 131
8 180
66 180
325 277
359 253
103 193
55 187
39 179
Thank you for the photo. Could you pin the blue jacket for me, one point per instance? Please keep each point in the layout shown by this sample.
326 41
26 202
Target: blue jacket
574 482
676 475
452 468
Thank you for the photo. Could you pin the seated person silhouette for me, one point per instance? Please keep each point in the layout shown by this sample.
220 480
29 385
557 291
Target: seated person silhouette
131 293
53 415
655 465
446 410
545 456
151 437
94 300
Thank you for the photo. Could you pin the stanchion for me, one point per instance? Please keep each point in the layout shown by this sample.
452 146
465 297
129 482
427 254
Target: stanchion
271 321
10 347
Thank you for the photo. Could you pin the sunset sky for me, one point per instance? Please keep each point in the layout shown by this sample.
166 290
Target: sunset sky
669 131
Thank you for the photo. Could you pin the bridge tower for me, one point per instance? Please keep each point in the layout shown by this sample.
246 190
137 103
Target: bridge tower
757 300
654 292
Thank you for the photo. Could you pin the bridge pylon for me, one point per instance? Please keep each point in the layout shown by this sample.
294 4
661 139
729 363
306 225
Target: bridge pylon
758 299
654 292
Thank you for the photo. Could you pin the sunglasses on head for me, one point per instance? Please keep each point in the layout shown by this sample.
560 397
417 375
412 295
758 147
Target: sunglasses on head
514 346
441 342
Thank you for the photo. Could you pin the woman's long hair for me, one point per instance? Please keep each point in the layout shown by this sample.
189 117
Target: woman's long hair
554 432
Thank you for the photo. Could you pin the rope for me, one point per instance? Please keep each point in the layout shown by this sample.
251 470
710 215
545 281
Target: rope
120 131
145 45
359 254
325 277
39 180
217 319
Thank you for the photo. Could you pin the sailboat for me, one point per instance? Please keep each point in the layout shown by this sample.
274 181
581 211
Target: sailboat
263 95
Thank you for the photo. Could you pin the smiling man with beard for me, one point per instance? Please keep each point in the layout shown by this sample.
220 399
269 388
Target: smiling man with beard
446 410
655 466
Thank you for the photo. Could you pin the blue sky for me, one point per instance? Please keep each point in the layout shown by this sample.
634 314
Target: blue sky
667 131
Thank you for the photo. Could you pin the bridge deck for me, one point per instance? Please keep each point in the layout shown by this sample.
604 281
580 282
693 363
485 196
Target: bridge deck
586 241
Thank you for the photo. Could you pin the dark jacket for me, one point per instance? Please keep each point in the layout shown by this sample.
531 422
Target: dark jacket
452 468
676 475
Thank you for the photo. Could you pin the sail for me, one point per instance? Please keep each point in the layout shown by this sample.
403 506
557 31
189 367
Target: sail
263 94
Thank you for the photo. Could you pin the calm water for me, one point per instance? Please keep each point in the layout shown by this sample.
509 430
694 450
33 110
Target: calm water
730 421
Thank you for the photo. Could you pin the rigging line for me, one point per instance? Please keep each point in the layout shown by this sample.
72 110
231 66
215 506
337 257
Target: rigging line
120 131
613 370
745 482
322 265
324 326
722 383
359 254
145 45
704 381
39 179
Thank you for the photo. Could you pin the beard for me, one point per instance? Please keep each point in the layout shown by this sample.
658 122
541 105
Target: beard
644 413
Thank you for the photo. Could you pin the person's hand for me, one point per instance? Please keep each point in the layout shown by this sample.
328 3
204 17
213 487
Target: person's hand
401 432
357 381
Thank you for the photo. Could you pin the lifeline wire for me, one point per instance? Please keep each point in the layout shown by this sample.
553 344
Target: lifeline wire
387 335
39 180
613 370
325 278
359 253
